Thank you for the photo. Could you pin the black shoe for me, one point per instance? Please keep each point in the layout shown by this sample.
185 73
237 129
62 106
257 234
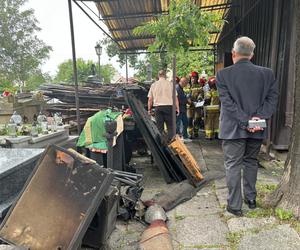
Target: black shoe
251 203
235 212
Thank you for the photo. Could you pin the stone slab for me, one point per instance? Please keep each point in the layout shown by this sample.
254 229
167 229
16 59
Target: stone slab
10 159
51 135
198 206
18 139
220 183
240 224
206 230
278 238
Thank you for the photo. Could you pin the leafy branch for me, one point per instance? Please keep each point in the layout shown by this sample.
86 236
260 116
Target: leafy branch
185 26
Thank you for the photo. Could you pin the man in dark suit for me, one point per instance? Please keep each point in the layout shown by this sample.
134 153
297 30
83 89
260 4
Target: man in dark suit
247 92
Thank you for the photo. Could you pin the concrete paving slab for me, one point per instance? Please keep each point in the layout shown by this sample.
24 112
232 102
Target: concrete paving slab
240 224
200 247
206 191
220 183
278 238
126 235
207 230
199 206
222 196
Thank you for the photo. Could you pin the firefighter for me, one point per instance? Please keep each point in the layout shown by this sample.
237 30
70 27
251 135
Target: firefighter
195 94
212 110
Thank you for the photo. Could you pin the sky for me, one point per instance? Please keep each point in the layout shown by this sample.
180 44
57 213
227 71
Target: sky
53 17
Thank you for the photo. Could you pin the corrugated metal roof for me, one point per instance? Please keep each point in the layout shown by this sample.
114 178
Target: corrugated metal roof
122 16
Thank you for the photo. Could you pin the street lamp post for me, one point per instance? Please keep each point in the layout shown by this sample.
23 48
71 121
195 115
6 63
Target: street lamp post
98 49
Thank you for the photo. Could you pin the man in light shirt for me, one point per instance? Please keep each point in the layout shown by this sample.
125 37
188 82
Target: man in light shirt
160 97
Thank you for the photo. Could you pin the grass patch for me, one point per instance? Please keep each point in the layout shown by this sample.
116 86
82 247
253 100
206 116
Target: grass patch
179 217
265 188
260 212
234 239
205 246
283 214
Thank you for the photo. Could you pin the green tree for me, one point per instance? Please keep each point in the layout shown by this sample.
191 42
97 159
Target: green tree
185 63
37 79
141 66
84 69
7 86
185 26
21 51
195 61
113 50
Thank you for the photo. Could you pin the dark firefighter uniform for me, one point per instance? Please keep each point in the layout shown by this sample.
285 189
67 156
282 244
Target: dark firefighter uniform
195 93
212 110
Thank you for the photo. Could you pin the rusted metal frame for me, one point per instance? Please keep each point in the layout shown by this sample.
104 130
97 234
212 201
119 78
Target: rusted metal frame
74 66
84 11
105 178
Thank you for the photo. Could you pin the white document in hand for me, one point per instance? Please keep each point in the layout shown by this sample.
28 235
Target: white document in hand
199 104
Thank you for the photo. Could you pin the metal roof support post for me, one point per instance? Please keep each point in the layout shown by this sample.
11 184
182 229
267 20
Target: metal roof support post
126 67
74 66
174 96
215 51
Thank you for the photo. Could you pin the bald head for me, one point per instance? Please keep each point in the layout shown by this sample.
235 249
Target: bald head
243 47
183 82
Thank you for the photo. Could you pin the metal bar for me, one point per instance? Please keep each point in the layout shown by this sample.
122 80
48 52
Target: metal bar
133 15
225 5
74 66
89 8
174 96
83 10
131 183
133 52
126 58
134 38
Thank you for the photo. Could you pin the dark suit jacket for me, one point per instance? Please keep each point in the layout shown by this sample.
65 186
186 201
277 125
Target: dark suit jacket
245 90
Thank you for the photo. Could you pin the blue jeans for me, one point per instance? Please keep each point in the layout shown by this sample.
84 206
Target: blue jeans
182 119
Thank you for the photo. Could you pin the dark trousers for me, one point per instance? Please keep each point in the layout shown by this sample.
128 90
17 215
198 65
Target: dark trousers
163 114
238 154
182 119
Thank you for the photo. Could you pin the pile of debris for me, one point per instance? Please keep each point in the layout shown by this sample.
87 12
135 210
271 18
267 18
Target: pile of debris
69 201
174 161
91 99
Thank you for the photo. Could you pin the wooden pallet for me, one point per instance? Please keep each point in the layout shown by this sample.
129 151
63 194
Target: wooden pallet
178 147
